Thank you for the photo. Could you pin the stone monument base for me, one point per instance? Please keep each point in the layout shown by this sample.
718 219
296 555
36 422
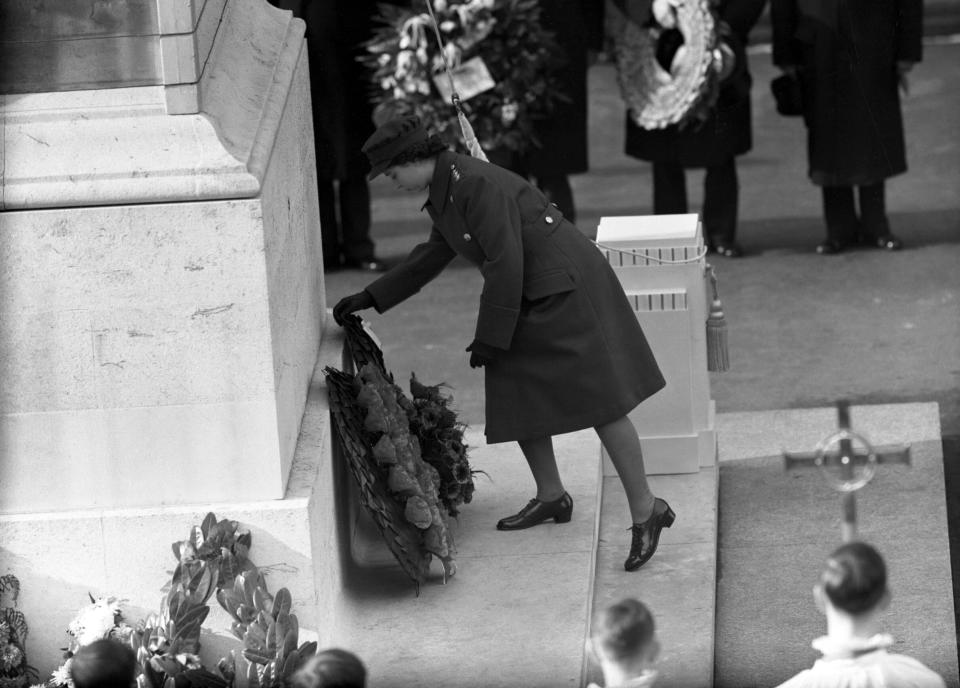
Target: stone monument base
62 556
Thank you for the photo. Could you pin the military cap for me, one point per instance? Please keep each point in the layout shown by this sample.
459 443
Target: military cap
390 139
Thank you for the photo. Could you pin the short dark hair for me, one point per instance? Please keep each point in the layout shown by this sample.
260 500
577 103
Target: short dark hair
855 578
624 629
104 664
332 668
420 151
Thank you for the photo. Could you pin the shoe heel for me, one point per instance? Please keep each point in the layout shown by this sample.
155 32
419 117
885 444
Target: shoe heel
564 516
668 518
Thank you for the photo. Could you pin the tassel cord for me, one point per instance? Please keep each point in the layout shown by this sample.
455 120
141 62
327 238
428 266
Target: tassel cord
470 138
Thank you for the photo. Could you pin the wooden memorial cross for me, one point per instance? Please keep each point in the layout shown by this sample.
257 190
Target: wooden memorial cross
839 457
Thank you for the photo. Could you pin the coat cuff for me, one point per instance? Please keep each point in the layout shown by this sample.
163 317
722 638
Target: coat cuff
495 325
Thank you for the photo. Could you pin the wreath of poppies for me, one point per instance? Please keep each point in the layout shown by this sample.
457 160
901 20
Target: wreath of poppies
501 57
407 455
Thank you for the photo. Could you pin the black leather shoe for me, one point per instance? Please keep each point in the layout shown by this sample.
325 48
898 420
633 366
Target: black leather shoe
369 265
888 242
536 512
731 250
831 247
646 535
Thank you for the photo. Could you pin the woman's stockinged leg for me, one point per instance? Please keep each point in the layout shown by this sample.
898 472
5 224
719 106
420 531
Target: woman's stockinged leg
620 440
543 464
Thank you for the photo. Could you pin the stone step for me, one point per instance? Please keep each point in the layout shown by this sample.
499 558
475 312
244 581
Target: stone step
514 614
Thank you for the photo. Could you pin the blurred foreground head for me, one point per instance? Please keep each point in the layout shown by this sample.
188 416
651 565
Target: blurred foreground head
624 634
854 580
333 668
104 664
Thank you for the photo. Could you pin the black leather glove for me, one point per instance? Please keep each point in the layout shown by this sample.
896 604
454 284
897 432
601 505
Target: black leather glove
481 354
351 304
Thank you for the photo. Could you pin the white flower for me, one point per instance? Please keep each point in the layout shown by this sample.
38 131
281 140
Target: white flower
95 621
398 93
447 26
440 5
61 676
508 112
383 60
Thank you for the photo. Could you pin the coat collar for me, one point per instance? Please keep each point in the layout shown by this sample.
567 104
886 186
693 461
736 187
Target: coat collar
441 180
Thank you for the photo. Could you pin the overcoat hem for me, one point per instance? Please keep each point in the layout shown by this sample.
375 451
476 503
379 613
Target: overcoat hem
589 419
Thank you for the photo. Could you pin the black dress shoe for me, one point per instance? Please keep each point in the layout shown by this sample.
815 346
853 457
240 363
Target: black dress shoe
536 512
831 247
888 242
369 265
646 535
731 250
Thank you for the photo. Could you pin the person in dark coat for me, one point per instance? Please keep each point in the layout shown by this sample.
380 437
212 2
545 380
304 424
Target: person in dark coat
850 57
713 144
560 345
561 146
342 121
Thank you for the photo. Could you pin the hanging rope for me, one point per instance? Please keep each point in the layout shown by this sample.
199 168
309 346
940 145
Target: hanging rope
469 137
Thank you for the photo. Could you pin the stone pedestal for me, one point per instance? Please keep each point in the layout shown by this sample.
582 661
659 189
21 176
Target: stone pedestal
660 262
161 282
162 309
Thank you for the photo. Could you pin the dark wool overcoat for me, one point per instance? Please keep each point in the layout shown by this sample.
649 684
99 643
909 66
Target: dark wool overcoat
727 132
340 85
577 26
847 52
574 355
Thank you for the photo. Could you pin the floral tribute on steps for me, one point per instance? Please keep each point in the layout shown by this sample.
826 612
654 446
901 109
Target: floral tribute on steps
14 670
500 57
408 456
212 561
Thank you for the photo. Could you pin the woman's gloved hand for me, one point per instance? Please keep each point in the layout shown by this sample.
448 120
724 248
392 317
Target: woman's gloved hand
482 354
352 304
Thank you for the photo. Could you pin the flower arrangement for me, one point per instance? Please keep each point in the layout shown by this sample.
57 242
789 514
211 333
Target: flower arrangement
101 619
441 442
213 559
413 481
14 670
501 58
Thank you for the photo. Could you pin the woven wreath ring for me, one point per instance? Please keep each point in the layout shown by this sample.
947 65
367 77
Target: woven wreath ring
656 98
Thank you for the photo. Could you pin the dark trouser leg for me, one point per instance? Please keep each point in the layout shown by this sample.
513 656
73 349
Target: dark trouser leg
329 228
355 218
721 192
557 190
669 188
873 211
842 224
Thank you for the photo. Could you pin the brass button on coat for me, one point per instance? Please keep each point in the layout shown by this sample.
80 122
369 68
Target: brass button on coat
467 237
548 220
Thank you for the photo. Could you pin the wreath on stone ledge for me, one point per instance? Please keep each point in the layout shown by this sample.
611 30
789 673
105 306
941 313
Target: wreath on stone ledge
408 456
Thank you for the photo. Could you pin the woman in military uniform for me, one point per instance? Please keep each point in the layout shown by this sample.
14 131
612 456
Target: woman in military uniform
559 343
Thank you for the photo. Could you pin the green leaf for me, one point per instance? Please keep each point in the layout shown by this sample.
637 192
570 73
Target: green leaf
290 665
282 602
208 521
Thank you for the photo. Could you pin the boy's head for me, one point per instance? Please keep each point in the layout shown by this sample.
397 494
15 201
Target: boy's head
333 668
854 580
624 635
104 664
